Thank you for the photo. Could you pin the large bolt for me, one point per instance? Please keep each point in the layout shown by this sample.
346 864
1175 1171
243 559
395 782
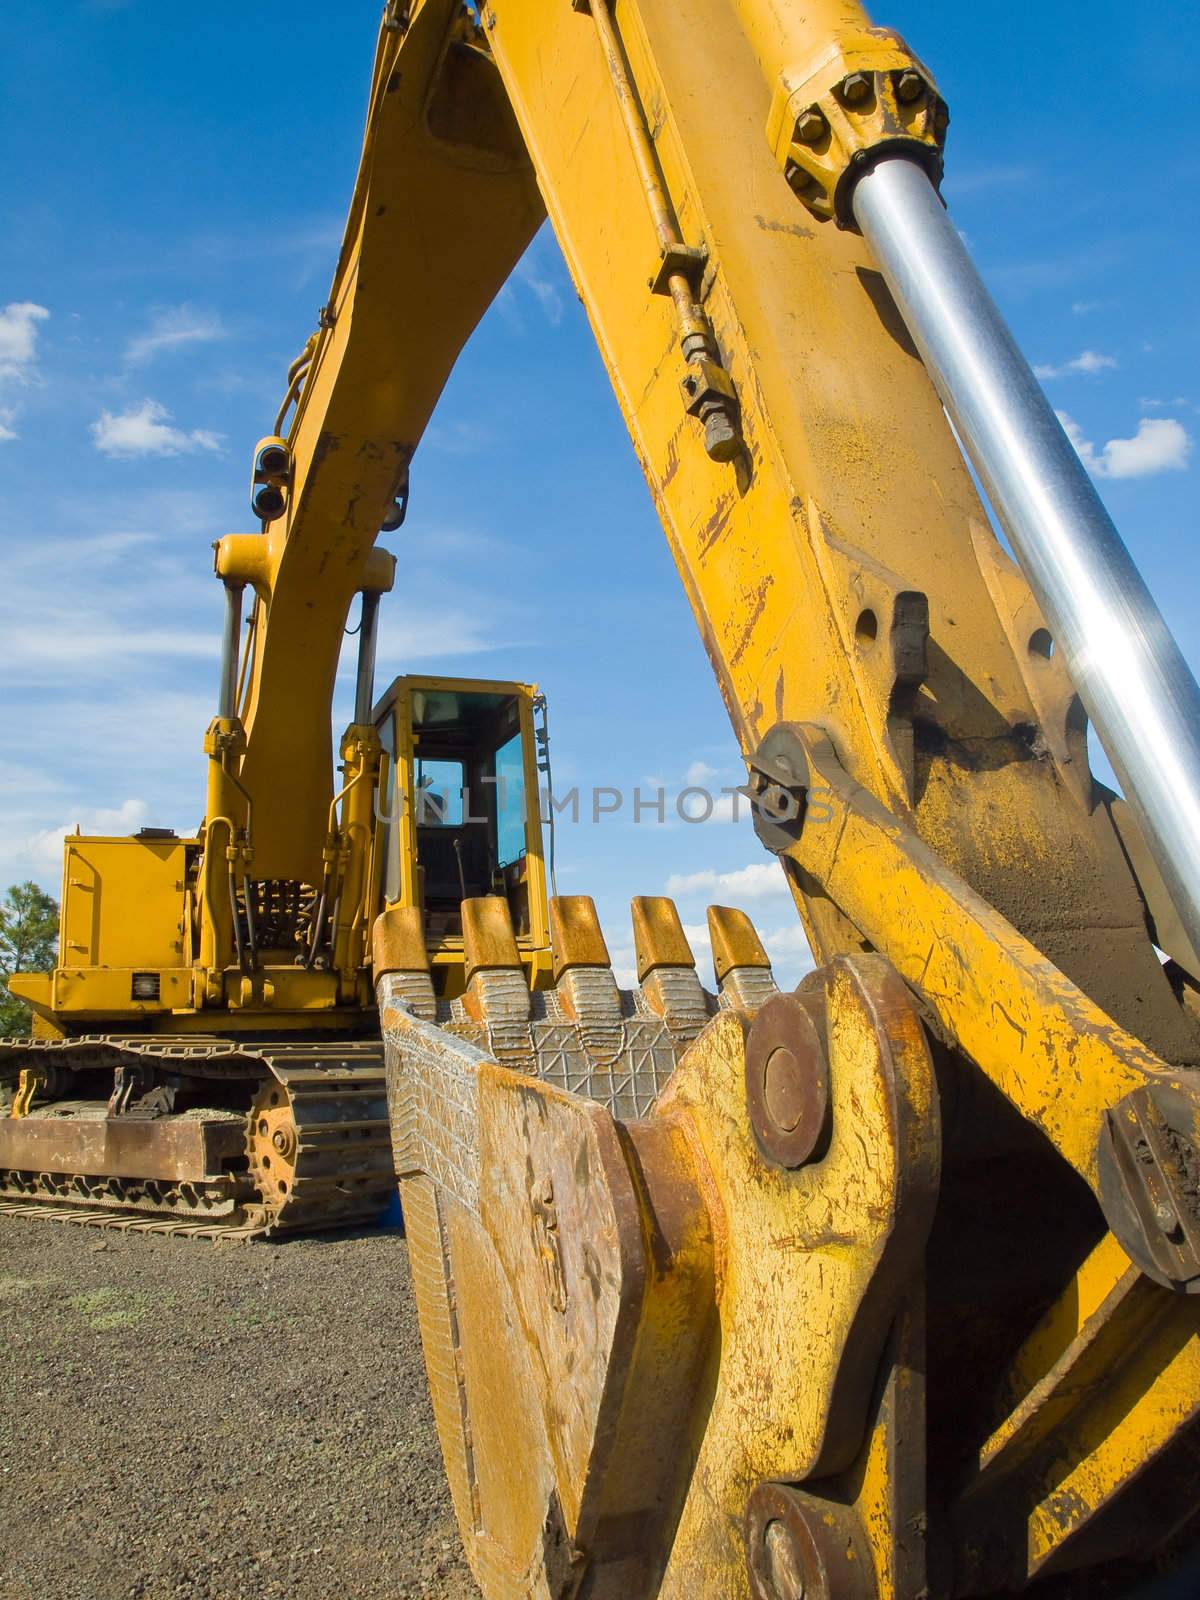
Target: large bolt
910 86
787 1081
783 1089
722 440
810 126
799 1547
784 1563
856 88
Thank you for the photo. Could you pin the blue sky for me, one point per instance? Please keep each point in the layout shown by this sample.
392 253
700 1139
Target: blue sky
171 202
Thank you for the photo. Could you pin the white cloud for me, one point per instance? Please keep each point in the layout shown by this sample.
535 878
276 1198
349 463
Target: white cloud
1149 404
37 853
546 292
44 849
172 329
791 956
994 177
92 608
18 338
1089 361
144 430
429 635
462 437
700 773
1160 445
95 644
755 882
7 418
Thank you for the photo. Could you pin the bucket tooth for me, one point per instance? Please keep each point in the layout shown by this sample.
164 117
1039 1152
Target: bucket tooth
741 964
666 967
400 962
497 990
584 984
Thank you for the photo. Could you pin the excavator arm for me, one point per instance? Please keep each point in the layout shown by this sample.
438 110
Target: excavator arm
444 204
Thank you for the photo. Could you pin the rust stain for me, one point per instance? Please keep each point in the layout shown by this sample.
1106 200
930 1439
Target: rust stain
672 466
796 229
998 1008
716 524
759 598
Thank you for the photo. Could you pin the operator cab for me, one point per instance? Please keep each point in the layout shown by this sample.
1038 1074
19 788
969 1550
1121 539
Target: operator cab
461 817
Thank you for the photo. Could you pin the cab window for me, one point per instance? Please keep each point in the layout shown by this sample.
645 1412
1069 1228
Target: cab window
439 796
510 802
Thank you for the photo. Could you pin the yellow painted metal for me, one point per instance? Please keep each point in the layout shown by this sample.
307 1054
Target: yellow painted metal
28 1085
121 900
1102 1388
576 935
857 493
734 941
820 1236
840 91
628 1327
1088 1289
1043 1042
658 936
352 839
228 853
1153 1397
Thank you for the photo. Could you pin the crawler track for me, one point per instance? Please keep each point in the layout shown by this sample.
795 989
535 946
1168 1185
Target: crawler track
317 1150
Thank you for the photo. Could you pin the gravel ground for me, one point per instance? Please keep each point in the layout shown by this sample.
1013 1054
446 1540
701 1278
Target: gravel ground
227 1422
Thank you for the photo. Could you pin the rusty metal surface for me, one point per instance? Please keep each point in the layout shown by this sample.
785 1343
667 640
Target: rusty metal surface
601 1264
787 1080
330 1108
183 1149
801 1548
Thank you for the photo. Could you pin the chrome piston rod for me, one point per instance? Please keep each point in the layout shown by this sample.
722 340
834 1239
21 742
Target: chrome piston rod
1130 673
230 642
364 686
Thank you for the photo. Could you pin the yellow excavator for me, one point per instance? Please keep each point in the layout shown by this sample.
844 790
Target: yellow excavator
882 1289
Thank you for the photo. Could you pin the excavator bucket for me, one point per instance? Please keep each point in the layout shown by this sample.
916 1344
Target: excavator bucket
659 1240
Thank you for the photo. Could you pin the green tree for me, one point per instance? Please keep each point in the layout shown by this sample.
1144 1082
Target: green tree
28 943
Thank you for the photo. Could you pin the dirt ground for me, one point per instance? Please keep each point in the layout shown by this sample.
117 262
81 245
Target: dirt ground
184 1421
216 1422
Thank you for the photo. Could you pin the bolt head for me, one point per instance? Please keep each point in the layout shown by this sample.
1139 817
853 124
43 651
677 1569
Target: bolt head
784 1563
810 126
784 1089
910 86
722 441
787 1082
856 88
1166 1217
